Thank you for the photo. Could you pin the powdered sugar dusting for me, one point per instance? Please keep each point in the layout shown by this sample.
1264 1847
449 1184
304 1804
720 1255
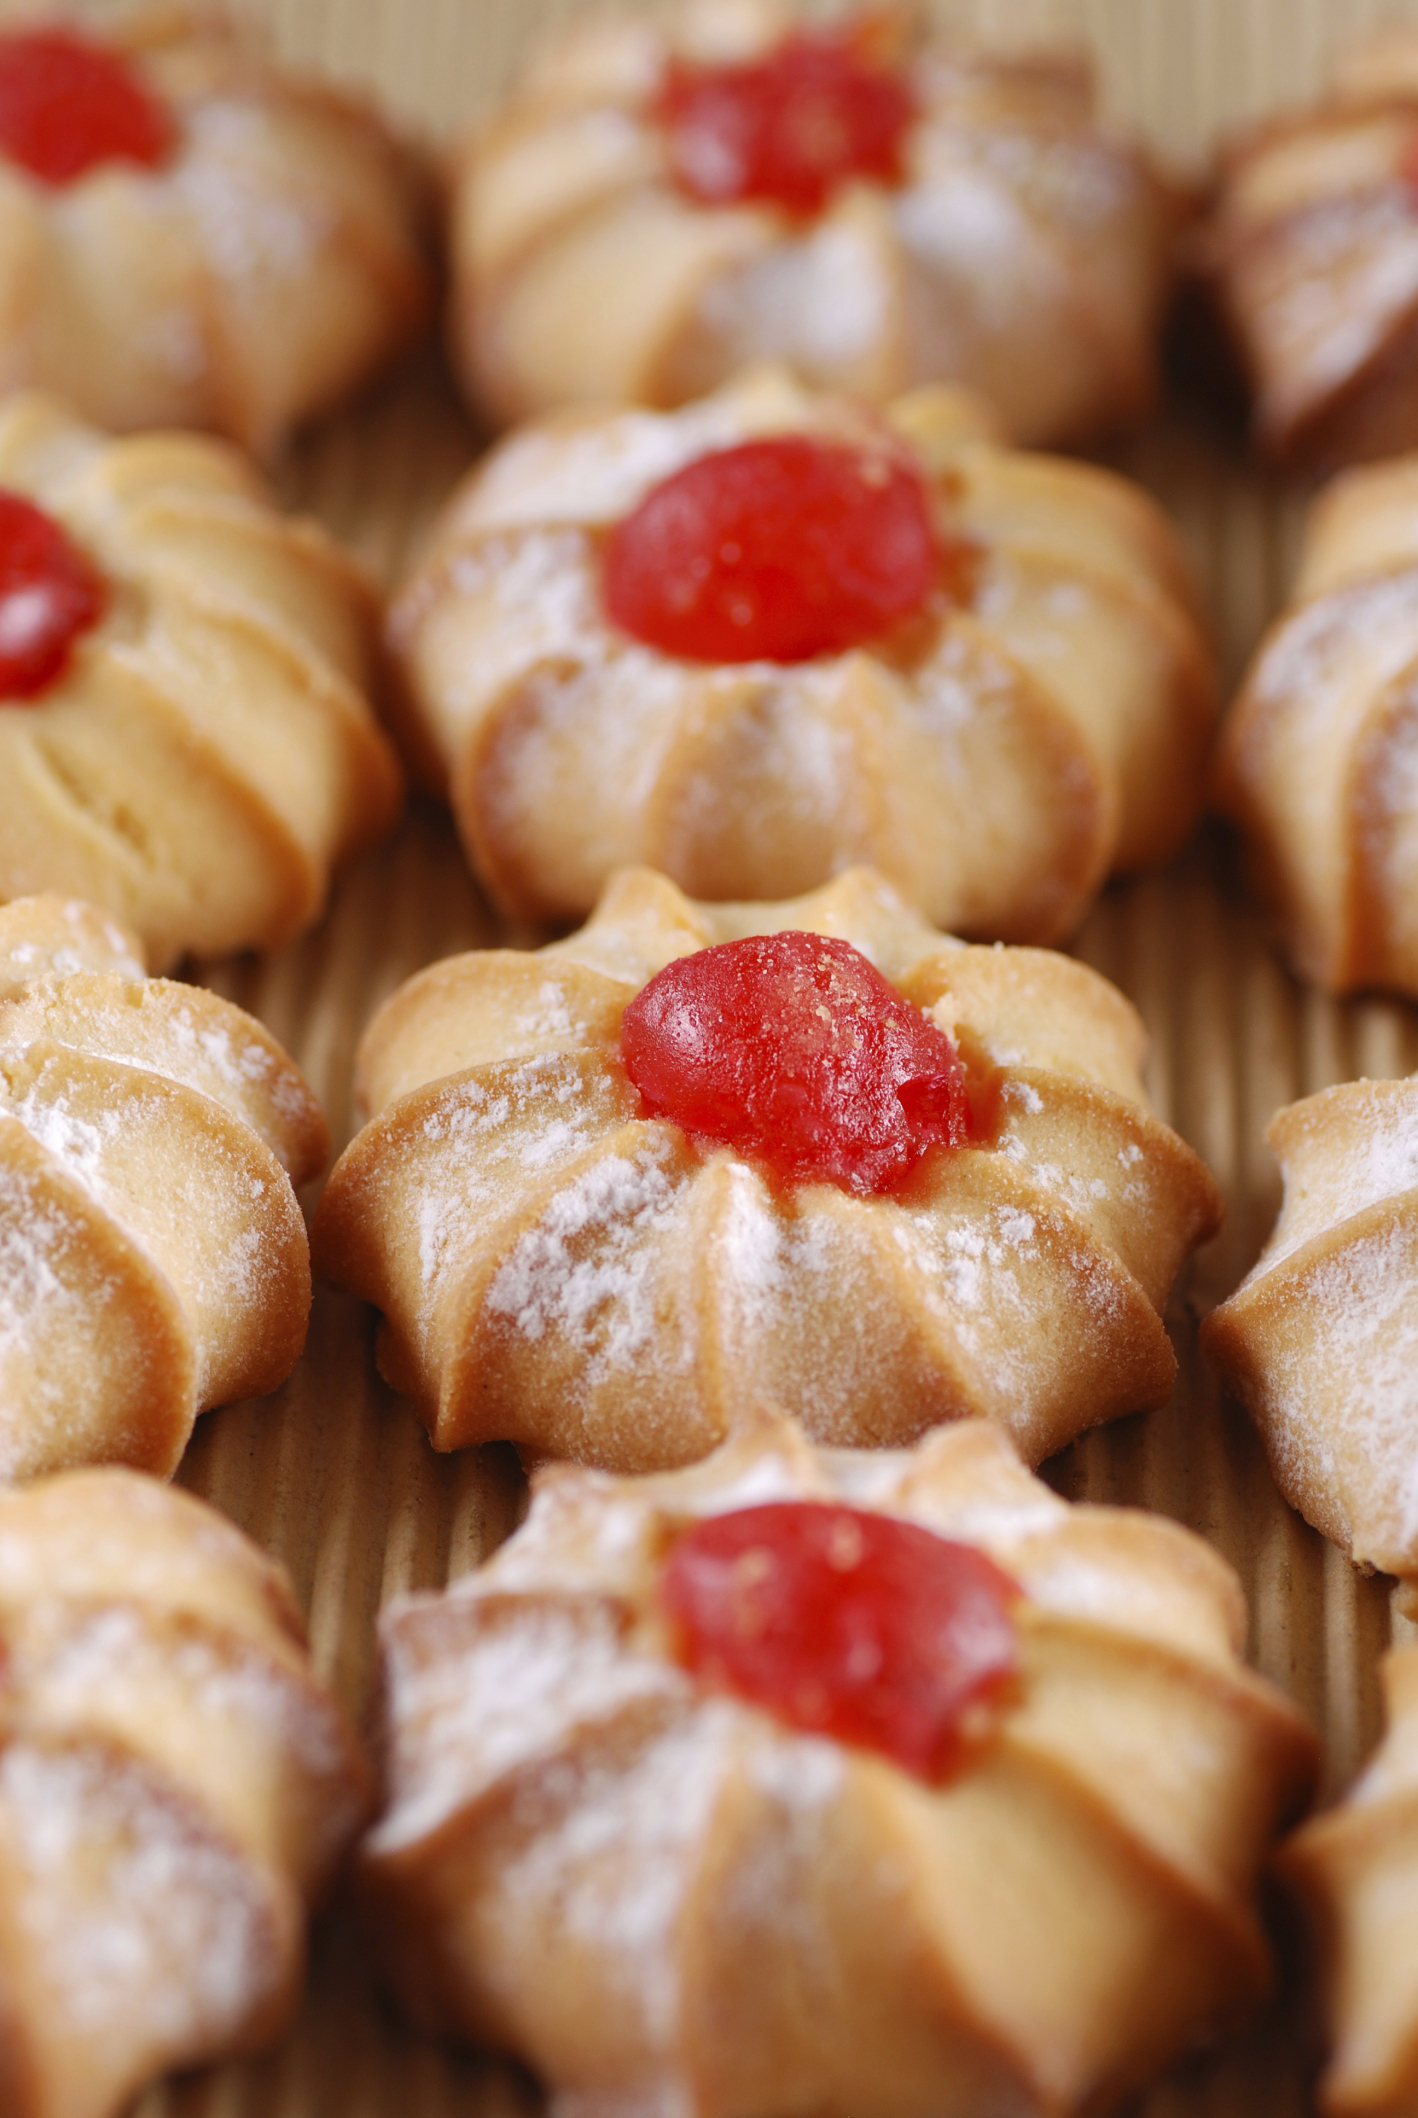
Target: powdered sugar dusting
199 1215
586 1270
140 1923
505 1695
549 1016
750 1243
589 1535
972 1263
83 1665
1340 1398
82 1143
1312 651
617 1849
1358 275
819 302
528 1117
1336 1170
598 473
42 1305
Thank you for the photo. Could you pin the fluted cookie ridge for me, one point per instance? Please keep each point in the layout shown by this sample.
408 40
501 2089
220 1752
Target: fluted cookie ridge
271 259
558 1266
1318 1340
155 1259
208 755
584 273
1355 1870
175 1790
1042 722
1317 758
987 1940
1310 252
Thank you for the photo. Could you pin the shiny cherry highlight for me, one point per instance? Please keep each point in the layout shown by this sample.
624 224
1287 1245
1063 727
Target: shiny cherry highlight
789 129
776 550
68 105
50 594
793 1049
845 1623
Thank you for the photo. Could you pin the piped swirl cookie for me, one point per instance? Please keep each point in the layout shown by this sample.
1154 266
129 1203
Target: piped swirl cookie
190 238
1355 1869
153 1258
1313 252
830 1781
185 736
816 1156
1319 1340
175 1790
756 640
1319 758
665 199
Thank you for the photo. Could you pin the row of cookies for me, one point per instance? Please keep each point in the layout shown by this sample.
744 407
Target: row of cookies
205 751
623 1847
198 749
967 1252
521 1798
982 671
191 237
545 1724
1111 780
663 200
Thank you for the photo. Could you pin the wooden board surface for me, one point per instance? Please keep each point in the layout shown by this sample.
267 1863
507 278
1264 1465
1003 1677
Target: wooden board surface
334 1474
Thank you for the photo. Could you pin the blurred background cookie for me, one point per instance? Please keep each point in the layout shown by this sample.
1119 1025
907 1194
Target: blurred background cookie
175 1790
664 199
773 633
1312 253
190 237
1318 761
185 734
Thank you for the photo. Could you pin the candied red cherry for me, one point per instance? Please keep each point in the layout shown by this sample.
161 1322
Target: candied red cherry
788 129
793 1048
847 1624
49 595
67 105
776 550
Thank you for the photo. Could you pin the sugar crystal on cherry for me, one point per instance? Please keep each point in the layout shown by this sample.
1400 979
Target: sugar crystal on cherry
845 1623
793 1049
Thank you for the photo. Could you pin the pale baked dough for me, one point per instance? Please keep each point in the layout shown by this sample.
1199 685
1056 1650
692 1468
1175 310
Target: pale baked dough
268 268
209 755
1049 729
1319 759
559 1270
665 1900
1025 253
174 1791
1313 252
153 1258
1356 1869
1320 1341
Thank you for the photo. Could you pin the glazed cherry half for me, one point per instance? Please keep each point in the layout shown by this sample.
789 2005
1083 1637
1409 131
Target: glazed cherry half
49 595
789 129
776 550
792 1048
847 1624
67 105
